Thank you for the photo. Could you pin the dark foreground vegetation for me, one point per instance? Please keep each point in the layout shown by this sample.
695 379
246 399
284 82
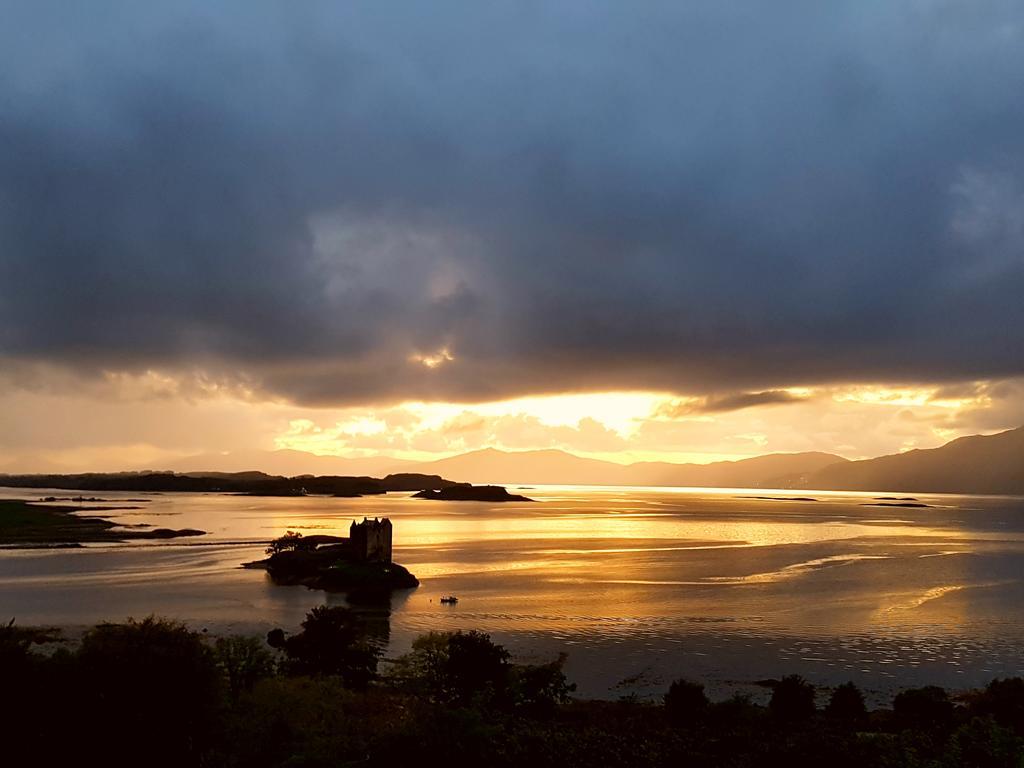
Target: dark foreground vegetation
152 692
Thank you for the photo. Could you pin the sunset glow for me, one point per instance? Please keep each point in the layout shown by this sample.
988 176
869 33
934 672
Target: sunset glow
127 421
588 245
570 383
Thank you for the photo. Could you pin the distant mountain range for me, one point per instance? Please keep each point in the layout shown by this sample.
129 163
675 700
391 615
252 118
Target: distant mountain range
561 468
288 463
527 467
979 464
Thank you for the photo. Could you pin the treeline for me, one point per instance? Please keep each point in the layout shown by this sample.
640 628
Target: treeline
152 692
256 483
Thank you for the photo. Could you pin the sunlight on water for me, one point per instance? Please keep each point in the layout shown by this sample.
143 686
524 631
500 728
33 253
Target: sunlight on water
711 583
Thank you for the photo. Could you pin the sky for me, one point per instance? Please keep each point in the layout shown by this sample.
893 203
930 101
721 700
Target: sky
679 230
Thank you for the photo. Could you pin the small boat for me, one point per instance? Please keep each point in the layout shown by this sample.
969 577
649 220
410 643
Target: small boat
449 600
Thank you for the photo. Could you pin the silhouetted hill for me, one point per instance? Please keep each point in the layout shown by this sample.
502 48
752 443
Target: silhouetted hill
977 464
255 483
412 481
288 463
561 468
775 470
553 467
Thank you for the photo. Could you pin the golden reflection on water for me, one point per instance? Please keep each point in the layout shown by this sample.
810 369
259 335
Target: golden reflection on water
693 582
595 560
429 531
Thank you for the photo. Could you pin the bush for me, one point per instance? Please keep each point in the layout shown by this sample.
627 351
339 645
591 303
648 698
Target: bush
153 693
924 708
475 665
156 682
539 689
982 743
276 638
847 704
332 643
305 721
244 661
736 711
792 698
451 737
1003 700
25 692
459 668
15 643
685 701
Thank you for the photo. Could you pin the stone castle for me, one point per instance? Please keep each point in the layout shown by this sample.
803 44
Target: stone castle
370 540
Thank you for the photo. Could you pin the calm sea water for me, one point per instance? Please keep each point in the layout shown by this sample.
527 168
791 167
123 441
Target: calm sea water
637 585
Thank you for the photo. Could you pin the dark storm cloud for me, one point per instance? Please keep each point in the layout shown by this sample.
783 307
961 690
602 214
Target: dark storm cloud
736 401
749 400
690 197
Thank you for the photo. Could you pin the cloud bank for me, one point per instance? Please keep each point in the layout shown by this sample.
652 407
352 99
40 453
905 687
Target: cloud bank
341 203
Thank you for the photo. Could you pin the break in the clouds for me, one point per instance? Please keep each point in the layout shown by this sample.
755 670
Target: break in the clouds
335 203
152 422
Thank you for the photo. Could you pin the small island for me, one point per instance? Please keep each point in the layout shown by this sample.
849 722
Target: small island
470 493
912 504
778 498
25 524
360 565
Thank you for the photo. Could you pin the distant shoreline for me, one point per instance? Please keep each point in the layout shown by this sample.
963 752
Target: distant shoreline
27 524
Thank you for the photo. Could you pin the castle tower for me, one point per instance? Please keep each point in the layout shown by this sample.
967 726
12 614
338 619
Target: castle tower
371 540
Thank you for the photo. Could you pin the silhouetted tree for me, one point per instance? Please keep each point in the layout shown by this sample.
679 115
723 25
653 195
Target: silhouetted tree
244 660
153 693
156 682
738 709
847 704
539 688
983 743
459 667
475 665
927 708
23 694
290 541
685 701
792 698
332 643
276 638
1003 699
